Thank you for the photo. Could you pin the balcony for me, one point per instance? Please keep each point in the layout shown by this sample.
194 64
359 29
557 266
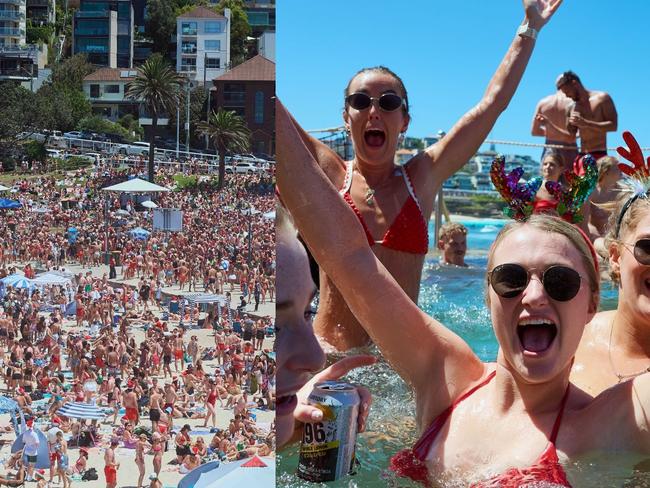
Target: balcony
11 15
188 50
188 68
13 2
38 3
29 50
91 32
93 14
189 32
11 32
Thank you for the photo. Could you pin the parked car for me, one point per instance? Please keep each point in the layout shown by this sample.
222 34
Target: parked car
134 148
243 167
75 134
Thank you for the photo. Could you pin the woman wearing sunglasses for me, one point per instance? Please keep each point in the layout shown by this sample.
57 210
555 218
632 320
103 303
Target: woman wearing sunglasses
514 422
395 203
616 344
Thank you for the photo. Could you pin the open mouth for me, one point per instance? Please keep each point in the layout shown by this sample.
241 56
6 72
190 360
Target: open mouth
374 137
286 404
536 336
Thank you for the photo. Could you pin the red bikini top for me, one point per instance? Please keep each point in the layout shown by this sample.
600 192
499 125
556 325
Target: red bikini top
408 232
410 462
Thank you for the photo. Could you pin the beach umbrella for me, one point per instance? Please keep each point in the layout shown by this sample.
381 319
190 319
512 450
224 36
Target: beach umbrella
50 279
247 472
205 298
269 215
8 405
122 212
149 204
136 185
18 281
190 479
6 204
80 410
4 188
139 233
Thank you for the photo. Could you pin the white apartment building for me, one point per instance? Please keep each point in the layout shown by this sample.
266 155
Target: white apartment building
106 91
203 44
12 22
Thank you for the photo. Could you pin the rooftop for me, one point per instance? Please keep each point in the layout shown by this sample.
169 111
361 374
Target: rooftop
112 74
257 68
201 13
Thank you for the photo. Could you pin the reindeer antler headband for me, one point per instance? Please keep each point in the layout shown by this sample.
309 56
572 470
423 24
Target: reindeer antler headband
519 197
637 181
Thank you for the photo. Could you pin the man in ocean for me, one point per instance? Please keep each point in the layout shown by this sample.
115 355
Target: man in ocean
550 121
452 242
592 114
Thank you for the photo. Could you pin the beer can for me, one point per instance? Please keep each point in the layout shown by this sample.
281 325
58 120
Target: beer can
327 451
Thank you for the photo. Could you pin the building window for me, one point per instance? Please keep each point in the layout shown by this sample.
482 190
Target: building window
112 89
188 64
258 18
259 107
94 91
188 28
212 63
188 47
212 45
212 27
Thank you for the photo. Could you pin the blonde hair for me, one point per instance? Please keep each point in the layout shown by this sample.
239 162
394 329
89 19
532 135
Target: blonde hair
634 213
552 225
450 228
604 165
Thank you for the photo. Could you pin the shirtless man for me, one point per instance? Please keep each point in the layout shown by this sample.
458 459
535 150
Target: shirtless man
606 191
179 350
220 342
593 114
113 360
155 407
130 403
550 121
111 467
212 280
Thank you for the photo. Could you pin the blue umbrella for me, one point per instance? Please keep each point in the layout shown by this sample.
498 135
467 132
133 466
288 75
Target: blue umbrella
140 233
18 281
192 477
79 410
5 203
8 405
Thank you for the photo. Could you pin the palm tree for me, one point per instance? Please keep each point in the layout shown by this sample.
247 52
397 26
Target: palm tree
228 132
157 87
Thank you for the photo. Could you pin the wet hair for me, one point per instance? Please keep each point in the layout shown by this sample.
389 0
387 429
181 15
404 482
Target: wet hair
552 225
567 77
383 70
633 214
450 228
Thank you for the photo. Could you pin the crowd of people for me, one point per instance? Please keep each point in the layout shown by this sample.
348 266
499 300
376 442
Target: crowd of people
127 341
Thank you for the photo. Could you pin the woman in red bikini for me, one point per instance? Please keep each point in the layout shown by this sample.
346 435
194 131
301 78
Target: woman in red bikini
513 422
394 203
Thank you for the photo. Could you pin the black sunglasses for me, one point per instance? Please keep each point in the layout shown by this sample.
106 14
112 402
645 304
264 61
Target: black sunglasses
641 251
388 102
560 282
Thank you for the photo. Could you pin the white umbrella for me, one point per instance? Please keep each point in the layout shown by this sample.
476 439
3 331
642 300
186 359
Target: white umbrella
50 279
149 204
4 188
17 281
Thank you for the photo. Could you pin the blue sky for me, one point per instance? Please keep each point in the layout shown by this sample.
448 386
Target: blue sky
447 51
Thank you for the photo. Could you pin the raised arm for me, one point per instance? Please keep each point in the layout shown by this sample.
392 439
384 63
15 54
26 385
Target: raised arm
424 353
462 142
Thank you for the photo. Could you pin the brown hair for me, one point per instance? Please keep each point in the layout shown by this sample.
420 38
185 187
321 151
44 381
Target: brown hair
450 228
553 225
382 70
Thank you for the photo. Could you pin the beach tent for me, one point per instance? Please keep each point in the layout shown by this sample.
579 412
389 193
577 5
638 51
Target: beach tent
139 233
50 279
136 185
43 455
269 215
205 298
80 410
256 471
4 188
6 204
18 281
190 479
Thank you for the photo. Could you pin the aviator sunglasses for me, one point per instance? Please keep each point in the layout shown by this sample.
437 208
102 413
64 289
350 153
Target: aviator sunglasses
560 282
641 251
388 102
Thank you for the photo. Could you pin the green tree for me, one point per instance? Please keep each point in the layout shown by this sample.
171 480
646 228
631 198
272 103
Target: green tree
62 107
161 24
239 29
228 132
157 87
17 116
97 123
35 150
71 72
133 127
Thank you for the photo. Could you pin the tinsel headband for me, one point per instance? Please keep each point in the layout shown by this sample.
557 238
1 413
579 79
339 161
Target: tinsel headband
637 181
520 197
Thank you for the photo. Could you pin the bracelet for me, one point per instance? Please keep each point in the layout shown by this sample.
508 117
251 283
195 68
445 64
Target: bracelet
525 31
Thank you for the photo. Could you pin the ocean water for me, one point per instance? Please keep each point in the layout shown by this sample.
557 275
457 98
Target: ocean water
455 296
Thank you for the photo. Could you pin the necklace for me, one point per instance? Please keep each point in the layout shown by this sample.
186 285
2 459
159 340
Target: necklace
370 196
620 377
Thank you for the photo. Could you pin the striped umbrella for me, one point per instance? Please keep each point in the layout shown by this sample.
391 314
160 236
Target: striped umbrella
80 410
18 281
205 298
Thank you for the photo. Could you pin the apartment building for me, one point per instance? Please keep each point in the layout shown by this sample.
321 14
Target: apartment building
12 22
104 31
203 44
106 90
41 11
